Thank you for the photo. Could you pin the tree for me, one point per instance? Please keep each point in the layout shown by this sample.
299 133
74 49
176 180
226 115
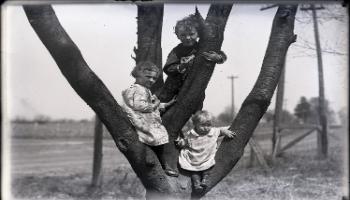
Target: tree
314 111
92 90
303 110
307 110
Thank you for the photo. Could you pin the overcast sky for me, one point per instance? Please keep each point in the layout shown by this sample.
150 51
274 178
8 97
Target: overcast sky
106 36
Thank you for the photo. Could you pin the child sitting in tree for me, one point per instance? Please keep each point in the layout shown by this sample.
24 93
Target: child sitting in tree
181 58
142 108
198 148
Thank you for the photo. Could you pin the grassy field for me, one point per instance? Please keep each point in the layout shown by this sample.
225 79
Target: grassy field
56 167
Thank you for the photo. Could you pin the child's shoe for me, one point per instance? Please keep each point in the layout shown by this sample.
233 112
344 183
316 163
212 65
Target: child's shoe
170 172
197 187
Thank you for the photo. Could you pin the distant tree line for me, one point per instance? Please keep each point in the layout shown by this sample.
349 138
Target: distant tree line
43 119
305 112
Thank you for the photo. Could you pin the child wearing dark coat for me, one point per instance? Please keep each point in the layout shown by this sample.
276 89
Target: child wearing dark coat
181 58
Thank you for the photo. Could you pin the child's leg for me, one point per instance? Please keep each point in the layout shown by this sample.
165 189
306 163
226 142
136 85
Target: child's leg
149 159
196 181
205 177
159 150
170 88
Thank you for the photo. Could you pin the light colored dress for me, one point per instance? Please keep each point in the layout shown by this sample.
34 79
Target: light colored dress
144 115
199 154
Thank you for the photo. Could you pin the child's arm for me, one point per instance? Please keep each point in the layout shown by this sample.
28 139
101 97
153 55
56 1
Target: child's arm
163 106
181 142
227 133
175 65
217 57
140 100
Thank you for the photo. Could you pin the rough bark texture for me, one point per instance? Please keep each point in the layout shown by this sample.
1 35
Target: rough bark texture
149 36
91 89
192 93
255 105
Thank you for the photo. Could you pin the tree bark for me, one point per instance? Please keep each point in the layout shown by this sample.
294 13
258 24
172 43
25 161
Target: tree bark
149 36
91 89
192 93
255 105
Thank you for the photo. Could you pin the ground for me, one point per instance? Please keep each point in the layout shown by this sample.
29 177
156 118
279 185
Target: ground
59 167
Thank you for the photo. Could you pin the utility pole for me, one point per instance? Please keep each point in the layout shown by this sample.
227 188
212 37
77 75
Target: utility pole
233 95
278 114
322 141
98 154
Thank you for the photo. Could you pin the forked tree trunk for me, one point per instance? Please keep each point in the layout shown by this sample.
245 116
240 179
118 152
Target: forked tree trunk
192 93
91 89
149 36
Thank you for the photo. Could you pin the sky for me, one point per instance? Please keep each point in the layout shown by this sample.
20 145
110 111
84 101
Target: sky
106 36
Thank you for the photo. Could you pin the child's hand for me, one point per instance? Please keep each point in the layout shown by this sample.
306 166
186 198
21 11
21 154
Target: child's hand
171 102
155 101
186 59
212 56
228 133
180 143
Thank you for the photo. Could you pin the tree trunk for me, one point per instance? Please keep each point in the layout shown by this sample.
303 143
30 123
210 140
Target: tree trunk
91 89
255 105
149 36
192 93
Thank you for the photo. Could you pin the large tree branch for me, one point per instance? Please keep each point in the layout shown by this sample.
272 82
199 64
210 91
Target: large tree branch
91 89
149 36
255 105
192 92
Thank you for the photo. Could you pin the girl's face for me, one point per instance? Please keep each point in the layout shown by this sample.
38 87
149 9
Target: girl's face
188 37
203 128
147 78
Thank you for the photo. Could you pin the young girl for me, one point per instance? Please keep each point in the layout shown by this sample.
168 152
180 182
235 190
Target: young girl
199 147
181 58
142 108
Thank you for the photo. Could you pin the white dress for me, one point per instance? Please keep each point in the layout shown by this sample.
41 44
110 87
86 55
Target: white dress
139 106
200 153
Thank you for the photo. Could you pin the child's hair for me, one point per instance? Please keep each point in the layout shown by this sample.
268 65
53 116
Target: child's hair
191 21
143 66
202 116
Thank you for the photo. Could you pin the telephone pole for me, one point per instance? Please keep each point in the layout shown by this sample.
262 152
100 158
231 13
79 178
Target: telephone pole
233 95
322 141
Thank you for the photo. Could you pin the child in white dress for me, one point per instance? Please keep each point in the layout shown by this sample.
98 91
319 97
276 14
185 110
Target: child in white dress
142 108
199 147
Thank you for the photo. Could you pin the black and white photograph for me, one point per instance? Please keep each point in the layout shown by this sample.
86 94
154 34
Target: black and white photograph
164 100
